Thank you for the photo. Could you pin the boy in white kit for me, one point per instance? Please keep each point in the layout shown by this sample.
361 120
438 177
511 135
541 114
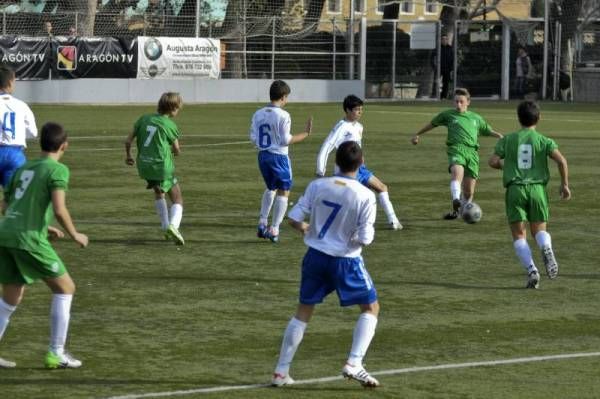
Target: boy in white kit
17 124
270 133
349 129
342 214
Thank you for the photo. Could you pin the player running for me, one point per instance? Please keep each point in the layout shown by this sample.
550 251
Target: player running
523 158
350 129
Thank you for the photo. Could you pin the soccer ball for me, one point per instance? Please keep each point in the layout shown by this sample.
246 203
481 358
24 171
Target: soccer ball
471 213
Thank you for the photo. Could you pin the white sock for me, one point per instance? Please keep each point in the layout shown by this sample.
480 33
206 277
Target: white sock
279 208
265 206
543 239
291 340
386 204
176 215
60 314
363 334
6 311
163 212
524 254
455 189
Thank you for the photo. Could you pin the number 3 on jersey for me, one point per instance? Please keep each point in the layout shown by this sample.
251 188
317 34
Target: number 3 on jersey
264 136
26 178
336 208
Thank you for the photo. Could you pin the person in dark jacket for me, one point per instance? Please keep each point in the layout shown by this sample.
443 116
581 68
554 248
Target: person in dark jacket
446 64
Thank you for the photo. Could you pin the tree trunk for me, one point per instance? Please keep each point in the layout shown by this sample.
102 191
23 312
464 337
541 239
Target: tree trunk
87 18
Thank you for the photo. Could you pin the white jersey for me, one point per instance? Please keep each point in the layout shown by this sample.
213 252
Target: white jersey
342 214
270 130
18 122
343 131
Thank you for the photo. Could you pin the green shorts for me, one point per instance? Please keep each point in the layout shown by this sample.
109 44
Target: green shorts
163 185
527 203
465 156
19 266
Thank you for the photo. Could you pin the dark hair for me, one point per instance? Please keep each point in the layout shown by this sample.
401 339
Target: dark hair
351 102
529 113
349 156
6 75
461 91
169 102
279 89
52 137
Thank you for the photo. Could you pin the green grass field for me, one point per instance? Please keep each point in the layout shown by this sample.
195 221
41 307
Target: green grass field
151 317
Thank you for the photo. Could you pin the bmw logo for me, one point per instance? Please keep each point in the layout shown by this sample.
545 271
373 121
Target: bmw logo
153 49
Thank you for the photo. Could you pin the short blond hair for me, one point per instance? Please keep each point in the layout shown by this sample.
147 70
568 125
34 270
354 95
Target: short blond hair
169 102
461 91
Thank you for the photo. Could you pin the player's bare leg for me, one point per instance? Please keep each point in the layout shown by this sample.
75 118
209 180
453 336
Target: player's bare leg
363 334
384 200
280 205
175 214
544 241
12 294
523 252
457 173
292 338
62 289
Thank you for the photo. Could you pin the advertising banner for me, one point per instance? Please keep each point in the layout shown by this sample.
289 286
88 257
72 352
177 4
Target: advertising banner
178 58
29 57
94 57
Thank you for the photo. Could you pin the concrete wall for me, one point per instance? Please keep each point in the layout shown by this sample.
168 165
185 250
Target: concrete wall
127 91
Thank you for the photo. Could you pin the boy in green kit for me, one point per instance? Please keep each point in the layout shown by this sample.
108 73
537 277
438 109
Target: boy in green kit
34 195
523 157
464 127
157 139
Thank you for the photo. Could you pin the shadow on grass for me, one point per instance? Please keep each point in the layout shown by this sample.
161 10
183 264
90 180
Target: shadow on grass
453 285
582 276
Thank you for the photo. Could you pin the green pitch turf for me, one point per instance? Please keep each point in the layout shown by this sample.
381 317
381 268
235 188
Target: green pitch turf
152 317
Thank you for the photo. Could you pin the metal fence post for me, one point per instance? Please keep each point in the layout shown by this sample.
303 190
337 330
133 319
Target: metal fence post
334 44
546 30
505 85
76 23
4 23
273 50
197 18
393 77
363 49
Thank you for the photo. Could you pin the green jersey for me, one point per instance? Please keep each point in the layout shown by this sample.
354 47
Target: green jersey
29 199
463 128
525 155
155 134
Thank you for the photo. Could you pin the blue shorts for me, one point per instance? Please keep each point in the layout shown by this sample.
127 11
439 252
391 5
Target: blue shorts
364 175
276 170
322 273
12 158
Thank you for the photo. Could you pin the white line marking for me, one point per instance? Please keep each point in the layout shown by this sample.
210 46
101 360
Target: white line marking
183 147
383 372
113 137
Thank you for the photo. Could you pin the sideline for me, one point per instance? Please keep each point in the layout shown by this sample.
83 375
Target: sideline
382 372
184 147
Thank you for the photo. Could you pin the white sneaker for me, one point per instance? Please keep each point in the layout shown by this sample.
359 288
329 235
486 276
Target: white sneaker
395 224
64 361
280 380
533 280
550 262
6 364
358 373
